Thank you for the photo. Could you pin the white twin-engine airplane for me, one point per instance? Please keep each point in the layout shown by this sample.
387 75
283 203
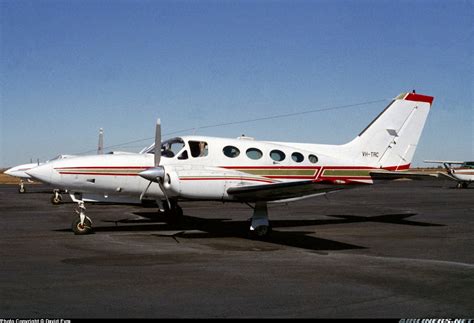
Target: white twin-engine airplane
243 170
20 171
463 175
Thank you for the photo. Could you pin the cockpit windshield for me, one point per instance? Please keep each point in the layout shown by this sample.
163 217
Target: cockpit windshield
55 158
60 157
169 148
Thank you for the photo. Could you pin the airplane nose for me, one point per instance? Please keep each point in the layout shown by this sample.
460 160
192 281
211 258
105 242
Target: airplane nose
8 171
42 173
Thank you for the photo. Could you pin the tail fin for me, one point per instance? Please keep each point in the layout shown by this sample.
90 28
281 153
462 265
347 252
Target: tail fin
390 140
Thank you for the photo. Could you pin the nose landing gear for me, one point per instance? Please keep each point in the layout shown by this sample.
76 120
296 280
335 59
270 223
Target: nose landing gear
56 198
22 188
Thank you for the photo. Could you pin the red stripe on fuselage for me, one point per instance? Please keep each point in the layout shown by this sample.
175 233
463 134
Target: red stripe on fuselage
106 167
270 167
224 179
319 170
100 174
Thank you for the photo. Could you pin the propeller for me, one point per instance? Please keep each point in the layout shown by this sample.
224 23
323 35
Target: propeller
448 168
157 173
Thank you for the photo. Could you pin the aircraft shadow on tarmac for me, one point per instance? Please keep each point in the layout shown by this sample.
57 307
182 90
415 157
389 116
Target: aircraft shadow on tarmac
190 227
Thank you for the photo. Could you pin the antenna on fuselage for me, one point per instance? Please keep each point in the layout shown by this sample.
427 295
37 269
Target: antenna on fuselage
100 147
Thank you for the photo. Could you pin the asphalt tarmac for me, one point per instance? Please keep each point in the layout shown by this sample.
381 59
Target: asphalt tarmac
398 250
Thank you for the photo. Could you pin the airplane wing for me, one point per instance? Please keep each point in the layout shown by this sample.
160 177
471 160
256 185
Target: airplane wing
281 191
444 162
392 175
449 176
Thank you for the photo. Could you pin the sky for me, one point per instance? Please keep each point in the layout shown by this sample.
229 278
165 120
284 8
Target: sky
68 68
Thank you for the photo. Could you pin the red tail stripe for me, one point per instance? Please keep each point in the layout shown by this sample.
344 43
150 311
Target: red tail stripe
419 98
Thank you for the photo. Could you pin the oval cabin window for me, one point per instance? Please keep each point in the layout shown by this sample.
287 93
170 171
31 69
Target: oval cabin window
313 159
231 151
277 155
297 157
254 153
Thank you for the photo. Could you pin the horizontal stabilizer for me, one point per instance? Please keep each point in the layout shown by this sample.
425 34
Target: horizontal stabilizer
443 162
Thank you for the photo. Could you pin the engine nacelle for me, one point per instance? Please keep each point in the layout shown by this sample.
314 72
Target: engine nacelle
187 182
171 181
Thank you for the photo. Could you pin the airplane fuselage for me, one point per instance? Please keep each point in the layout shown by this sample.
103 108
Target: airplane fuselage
225 163
463 174
20 170
243 169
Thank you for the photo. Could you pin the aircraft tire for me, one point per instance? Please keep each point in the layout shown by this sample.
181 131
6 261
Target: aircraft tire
461 185
56 200
174 215
21 190
84 229
178 211
260 232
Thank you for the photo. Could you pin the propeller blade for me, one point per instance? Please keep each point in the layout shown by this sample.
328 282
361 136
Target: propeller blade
157 173
448 168
144 192
158 143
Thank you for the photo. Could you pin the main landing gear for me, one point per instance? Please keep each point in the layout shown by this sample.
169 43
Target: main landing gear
462 185
259 223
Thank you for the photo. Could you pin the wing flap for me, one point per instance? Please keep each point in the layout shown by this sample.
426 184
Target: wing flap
393 175
281 191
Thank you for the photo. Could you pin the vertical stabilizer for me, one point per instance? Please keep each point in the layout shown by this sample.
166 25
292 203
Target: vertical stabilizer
390 140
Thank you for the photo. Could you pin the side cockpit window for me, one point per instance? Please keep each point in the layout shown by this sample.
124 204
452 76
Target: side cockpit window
171 148
198 148
183 155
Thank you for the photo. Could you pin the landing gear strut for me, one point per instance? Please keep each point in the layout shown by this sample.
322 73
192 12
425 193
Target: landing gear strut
56 199
82 224
173 214
462 185
22 188
260 225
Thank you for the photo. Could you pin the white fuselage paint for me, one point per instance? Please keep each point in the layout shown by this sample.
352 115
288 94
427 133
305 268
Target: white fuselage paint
389 142
205 177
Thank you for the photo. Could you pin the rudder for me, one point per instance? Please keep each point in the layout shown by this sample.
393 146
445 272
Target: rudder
390 140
